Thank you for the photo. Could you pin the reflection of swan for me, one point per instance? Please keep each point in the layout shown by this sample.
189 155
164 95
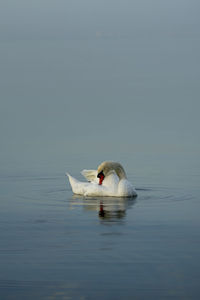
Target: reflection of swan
112 212
108 208
112 182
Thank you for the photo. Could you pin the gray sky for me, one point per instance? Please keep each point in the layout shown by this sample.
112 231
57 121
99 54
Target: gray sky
50 18
98 77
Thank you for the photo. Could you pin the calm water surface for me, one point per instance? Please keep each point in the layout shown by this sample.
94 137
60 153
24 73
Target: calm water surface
58 246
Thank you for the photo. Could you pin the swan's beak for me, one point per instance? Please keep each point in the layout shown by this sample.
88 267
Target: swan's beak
101 177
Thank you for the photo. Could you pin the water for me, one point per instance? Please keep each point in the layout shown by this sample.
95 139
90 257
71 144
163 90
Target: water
58 246
76 91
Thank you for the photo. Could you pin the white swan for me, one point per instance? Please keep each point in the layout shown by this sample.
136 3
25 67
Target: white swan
108 180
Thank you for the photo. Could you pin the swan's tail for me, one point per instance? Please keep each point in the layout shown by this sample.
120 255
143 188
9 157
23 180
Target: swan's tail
73 182
76 185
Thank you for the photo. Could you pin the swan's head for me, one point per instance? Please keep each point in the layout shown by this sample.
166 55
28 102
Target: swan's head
108 166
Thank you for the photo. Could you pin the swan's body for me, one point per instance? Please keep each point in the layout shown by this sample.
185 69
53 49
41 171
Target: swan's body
112 182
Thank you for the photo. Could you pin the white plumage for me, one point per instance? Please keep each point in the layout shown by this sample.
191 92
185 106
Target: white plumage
114 184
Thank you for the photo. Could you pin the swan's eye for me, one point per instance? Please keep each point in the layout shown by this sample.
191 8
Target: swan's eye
101 177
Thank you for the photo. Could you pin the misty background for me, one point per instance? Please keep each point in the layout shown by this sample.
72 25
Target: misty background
82 82
95 80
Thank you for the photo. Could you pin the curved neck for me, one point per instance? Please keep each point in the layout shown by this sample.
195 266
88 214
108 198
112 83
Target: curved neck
119 170
108 166
121 173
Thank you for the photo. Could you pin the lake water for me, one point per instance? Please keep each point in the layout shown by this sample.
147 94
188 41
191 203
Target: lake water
69 104
58 246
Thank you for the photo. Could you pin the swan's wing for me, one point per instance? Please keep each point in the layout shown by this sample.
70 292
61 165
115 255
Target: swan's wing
86 188
90 175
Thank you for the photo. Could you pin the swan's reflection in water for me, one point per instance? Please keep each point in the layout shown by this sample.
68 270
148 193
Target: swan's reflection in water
110 209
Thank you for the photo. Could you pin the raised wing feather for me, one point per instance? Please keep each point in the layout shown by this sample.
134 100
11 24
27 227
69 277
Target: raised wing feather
90 175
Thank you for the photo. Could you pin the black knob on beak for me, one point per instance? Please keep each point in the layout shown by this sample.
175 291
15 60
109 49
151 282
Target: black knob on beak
100 175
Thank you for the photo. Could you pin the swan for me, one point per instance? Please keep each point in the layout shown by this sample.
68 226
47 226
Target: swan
108 180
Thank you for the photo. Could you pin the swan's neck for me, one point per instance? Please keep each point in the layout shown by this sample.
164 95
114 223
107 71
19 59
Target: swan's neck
121 173
107 166
119 170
